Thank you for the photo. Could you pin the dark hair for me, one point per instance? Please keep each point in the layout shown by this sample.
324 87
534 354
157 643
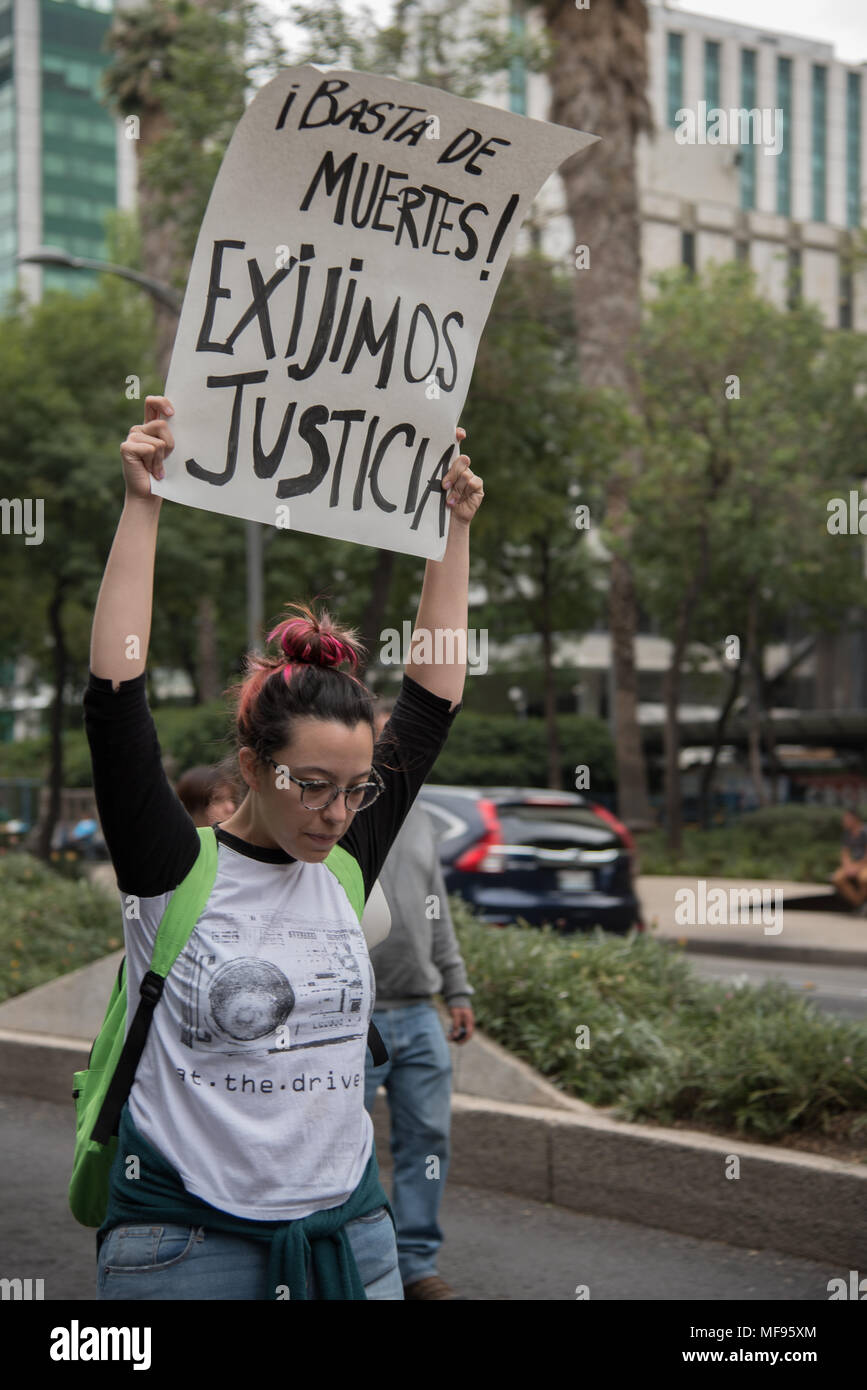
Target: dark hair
302 682
198 786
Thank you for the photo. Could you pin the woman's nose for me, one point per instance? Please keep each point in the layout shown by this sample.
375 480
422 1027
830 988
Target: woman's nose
338 809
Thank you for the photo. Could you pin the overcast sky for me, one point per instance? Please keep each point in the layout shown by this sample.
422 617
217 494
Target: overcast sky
842 23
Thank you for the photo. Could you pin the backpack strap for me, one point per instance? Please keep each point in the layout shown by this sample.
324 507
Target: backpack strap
347 871
176 926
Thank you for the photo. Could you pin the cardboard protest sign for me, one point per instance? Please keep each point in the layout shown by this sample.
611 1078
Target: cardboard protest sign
344 270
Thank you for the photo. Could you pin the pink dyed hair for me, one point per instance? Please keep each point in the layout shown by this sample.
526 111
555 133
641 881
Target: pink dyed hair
306 640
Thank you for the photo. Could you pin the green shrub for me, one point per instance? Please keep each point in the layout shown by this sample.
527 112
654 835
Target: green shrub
194 735
50 924
793 843
665 1045
481 749
188 734
499 749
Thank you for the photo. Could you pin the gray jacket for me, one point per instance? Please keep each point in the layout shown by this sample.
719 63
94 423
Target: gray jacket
420 957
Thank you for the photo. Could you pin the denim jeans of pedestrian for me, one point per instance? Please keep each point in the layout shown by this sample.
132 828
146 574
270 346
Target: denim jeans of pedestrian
191 1262
418 1081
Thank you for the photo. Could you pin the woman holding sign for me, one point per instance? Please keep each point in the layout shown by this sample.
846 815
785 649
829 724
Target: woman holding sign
245 1166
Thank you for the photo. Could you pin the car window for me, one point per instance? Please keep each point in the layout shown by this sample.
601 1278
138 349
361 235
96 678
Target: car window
564 815
445 823
552 832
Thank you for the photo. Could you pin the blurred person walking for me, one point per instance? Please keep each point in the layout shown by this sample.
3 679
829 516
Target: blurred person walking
420 958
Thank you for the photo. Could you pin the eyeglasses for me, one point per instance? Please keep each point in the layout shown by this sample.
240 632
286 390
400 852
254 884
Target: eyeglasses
315 796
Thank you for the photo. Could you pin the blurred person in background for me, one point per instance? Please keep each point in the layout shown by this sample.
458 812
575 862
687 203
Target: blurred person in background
206 795
850 878
420 958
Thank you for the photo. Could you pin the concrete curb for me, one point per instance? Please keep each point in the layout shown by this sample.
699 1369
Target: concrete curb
804 955
800 1204
40 1065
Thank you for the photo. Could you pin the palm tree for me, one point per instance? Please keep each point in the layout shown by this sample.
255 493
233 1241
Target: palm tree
598 76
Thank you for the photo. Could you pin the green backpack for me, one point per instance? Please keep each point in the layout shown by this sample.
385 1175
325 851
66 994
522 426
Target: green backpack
102 1089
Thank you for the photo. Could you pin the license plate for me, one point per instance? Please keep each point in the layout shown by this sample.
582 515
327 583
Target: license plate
575 880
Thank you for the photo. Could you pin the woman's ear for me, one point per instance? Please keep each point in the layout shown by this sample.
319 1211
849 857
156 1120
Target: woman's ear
250 769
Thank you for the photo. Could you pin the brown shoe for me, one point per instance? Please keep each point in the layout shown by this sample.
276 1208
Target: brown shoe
432 1286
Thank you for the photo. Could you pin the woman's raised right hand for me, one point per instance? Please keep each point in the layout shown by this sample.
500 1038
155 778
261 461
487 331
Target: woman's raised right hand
145 448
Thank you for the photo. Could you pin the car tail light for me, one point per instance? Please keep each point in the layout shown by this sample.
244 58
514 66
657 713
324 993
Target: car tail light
621 830
617 825
476 858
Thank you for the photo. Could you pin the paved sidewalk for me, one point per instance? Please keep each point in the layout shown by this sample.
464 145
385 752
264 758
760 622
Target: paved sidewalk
498 1247
835 937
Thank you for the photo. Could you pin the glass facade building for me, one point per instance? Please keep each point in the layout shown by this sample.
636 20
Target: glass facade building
52 115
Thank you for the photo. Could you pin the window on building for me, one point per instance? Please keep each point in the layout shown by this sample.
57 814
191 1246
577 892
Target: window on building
819 159
712 52
742 250
674 77
793 279
844 296
517 66
687 251
748 150
853 149
783 160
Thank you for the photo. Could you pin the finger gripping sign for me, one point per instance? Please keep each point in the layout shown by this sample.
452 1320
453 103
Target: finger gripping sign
344 270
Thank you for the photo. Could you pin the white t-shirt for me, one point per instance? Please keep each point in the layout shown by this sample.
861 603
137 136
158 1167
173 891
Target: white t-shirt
257 1046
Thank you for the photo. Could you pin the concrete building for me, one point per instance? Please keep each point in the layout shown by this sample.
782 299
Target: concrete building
788 200
784 190
782 187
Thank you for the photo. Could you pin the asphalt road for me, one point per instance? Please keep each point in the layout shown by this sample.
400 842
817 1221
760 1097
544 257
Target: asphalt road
497 1248
836 989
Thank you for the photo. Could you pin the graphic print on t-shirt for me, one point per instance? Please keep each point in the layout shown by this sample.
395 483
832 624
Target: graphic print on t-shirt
240 1001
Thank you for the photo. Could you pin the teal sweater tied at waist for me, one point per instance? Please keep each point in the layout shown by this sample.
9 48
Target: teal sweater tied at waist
159 1195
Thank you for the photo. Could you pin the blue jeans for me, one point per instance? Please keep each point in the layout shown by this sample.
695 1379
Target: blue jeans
191 1262
418 1080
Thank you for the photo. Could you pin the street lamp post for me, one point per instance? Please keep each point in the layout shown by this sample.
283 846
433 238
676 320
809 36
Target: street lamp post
171 299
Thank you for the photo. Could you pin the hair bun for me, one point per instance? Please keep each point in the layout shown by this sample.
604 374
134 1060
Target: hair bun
314 641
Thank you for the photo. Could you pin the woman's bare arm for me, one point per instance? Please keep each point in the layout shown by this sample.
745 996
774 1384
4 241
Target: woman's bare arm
443 604
122 617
